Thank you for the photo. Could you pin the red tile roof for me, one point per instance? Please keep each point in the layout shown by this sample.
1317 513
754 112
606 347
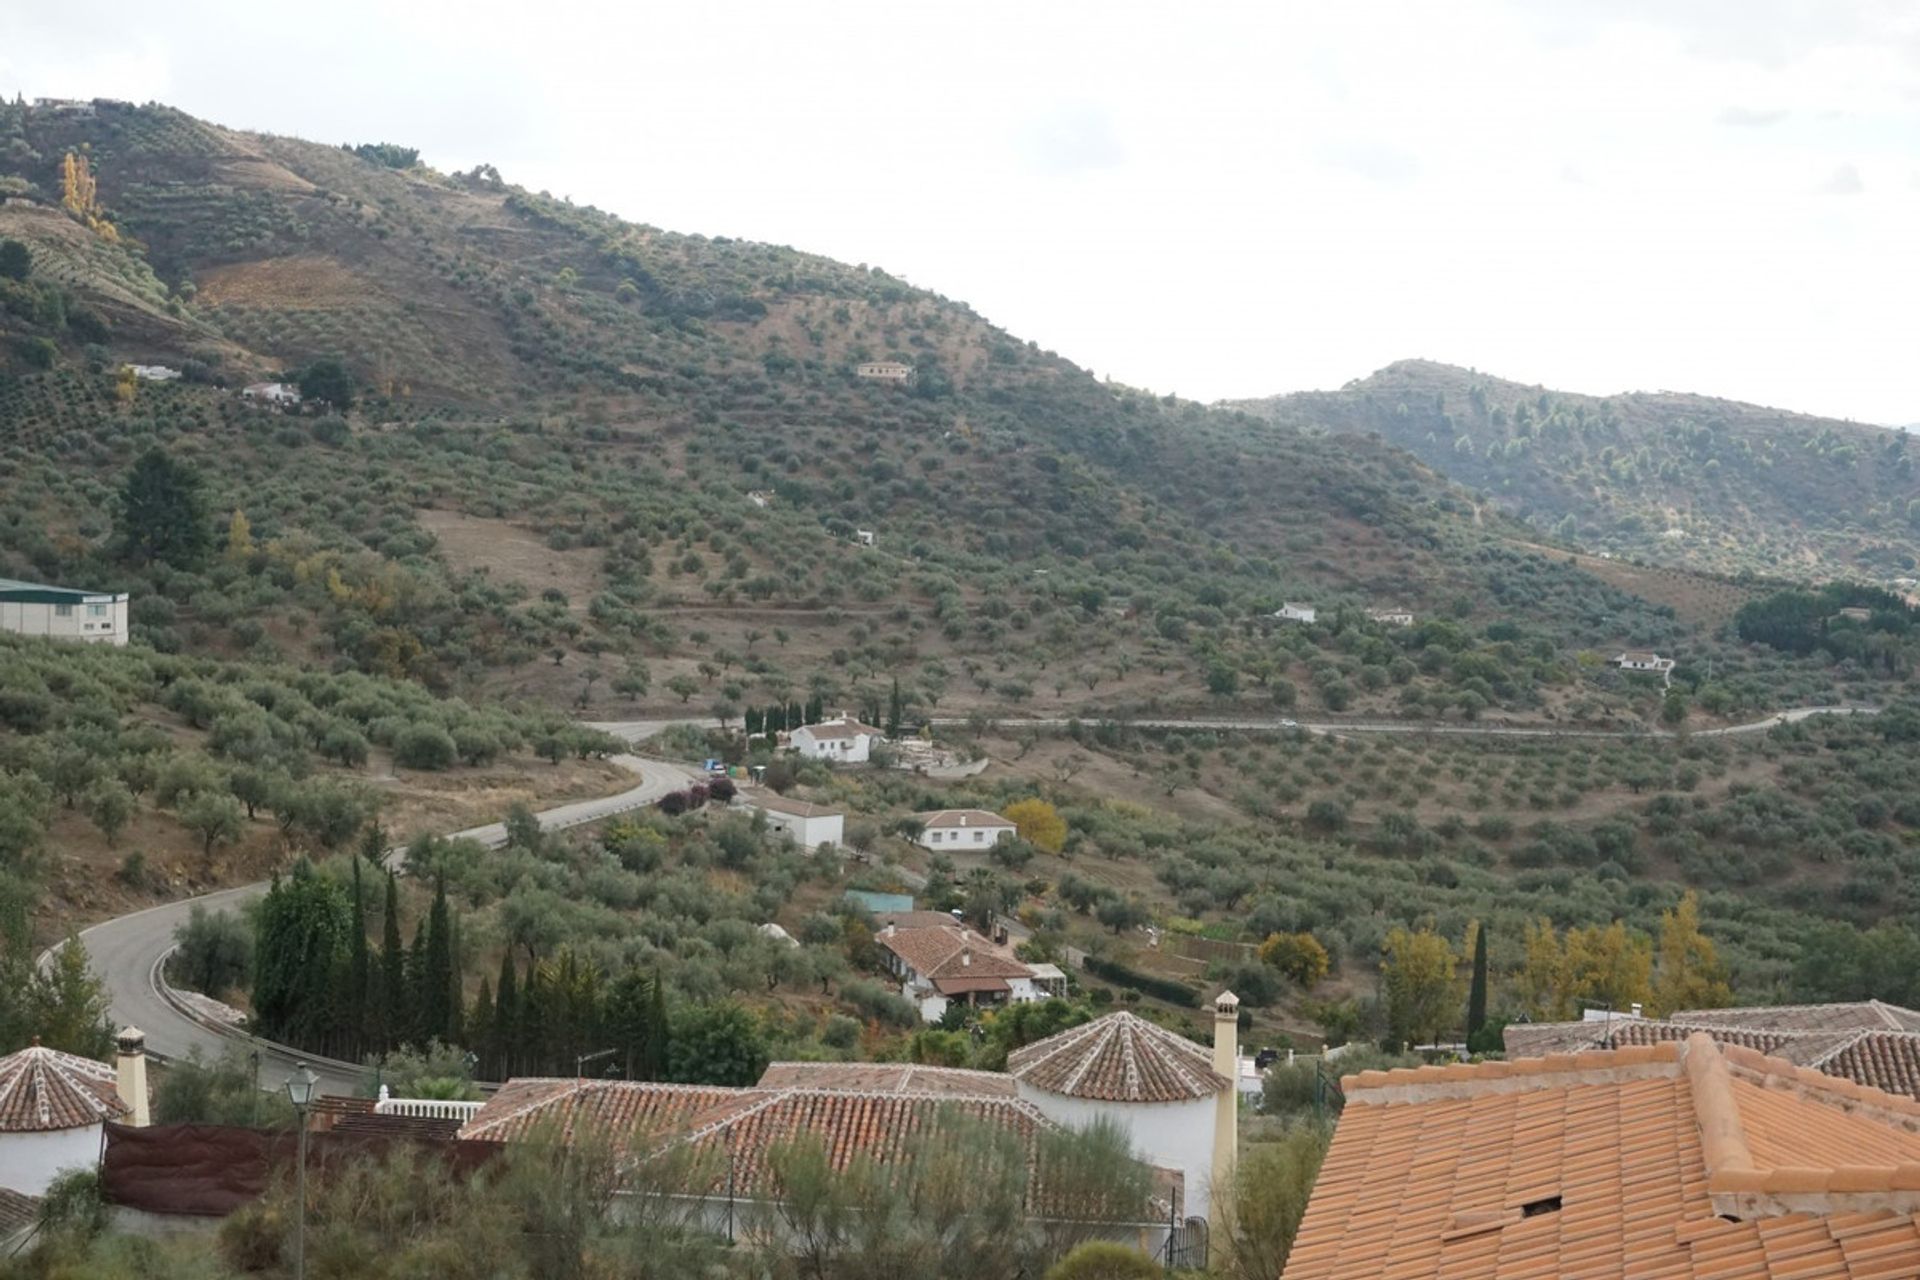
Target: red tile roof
951 952
1862 1015
1871 1055
17 1212
944 818
1666 1160
735 1130
1119 1058
777 803
845 727
888 1077
42 1090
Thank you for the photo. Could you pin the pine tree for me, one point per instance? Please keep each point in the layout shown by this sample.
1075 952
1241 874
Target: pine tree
436 972
360 975
1477 993
393 972
163 512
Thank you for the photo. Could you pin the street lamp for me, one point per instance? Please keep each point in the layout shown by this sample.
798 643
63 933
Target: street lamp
300 1086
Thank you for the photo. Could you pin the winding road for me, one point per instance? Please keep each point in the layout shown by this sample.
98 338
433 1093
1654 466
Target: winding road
127 952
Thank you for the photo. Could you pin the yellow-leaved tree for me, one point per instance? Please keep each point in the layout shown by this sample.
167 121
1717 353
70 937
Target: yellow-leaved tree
1038 823
1691 975
239 537
1421 976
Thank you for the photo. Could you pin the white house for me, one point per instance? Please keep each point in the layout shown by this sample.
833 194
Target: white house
279 395
884 370
64 613
940 961
1391 617
53 1104
1177 1102
863 536
812 826
762 498
845 740
1291 612
949 829
1643 660
154 373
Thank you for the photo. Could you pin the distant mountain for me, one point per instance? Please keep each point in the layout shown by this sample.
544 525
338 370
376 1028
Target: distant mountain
1660 476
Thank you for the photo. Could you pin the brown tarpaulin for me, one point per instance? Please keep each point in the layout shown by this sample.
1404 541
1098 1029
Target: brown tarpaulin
210 1170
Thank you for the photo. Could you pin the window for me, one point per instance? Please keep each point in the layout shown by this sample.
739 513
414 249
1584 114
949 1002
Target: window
63 611
978 835
936 837
96 611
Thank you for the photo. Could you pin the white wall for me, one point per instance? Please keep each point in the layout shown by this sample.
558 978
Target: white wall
1177 1135
853 750
809 833
80 622
29 1161
964 838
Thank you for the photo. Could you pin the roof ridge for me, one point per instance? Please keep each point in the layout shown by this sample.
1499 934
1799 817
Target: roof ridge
573 1088
1846 1042
1723 1138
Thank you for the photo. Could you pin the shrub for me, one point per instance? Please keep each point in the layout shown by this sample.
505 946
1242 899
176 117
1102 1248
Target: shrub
214 952
425 746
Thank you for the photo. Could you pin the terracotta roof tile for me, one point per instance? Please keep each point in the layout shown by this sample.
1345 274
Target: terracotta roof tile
1118 1058
942 819
951 950
42 1089
17 1212
1652 1161
888 1077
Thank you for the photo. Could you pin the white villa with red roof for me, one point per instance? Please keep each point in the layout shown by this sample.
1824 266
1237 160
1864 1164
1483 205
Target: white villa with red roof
948 829
940 961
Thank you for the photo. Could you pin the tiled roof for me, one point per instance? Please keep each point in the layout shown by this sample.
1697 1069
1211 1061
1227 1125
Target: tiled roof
951 951
777 803
17 1212
843 728
1665 1160
1863 1015
42 1089
888 1077
1876 1055
734 1130
944 818
1118 1058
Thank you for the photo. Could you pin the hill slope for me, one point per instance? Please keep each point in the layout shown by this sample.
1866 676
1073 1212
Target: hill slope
1660 476
594 461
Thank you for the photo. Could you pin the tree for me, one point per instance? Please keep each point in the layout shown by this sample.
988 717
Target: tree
1300 957
67 1004
16 261
163 512
391 1005
1259 1214
1607 965
1673 708
1690 974
895 710
109 805
1122 914
239 538
215 816
1419 974
716 1044
328 382
1105 1260
1477 993
683 686
213 952
299 937
360 963
438 978
1038 823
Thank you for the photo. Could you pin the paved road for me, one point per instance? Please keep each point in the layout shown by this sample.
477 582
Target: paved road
126 952
1493 729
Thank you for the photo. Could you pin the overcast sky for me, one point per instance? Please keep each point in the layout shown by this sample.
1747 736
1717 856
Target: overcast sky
1214 199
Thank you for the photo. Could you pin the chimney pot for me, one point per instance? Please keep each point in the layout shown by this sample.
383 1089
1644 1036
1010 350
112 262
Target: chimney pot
130 1075
1636 1008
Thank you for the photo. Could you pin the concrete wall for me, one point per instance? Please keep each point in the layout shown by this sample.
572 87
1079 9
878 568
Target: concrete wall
809 833
1178 1135
103 620
853 750
30 1161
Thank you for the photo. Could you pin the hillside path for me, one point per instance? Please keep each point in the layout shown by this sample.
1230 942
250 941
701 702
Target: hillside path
1490 729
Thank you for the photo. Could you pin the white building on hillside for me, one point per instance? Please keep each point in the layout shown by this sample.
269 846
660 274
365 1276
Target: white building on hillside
278 395
812 826
63 613
1391 617
949 829
154 373
884 370
1643 660
845 740
940 961
52 1107
1176 1100
1291 612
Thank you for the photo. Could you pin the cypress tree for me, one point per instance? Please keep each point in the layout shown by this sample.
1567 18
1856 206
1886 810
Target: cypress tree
415 1022
506 1020
895 710
456 989
393 972
478 1028
360 972
1477 993
436 972
373 845
530 1045
659 1032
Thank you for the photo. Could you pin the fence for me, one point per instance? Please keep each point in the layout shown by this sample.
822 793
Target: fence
425 1108
1209 950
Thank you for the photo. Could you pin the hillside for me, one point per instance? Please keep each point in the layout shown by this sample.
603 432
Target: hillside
605 465
1662 477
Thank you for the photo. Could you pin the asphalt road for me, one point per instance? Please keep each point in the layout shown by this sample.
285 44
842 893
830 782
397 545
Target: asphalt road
126 952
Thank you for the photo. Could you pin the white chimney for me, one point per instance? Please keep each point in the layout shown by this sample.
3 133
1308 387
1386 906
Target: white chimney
130 1075
1636 1008
888 931
1226 1104
966 957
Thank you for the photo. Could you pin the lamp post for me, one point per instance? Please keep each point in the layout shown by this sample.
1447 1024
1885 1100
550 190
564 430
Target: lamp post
300 1087
580 1062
